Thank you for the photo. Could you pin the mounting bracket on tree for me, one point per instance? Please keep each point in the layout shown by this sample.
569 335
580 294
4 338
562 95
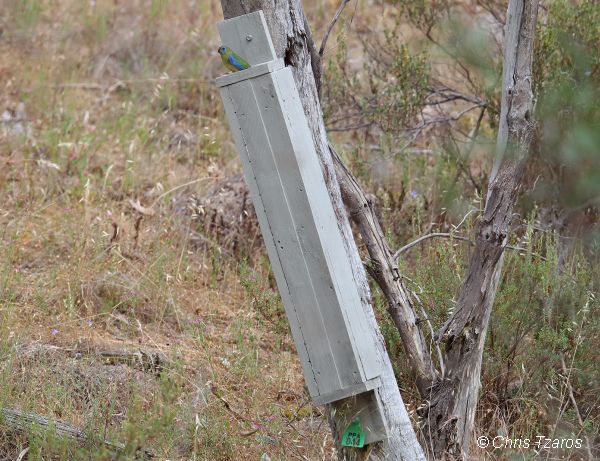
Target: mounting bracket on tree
299 227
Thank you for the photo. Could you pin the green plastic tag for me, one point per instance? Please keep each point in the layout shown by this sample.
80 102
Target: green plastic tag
354 436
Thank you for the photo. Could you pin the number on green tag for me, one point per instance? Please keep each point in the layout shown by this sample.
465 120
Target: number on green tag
354 436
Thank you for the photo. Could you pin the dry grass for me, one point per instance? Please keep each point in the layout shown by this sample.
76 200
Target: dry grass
110 121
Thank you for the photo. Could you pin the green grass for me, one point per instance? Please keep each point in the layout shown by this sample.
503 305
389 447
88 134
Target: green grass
67 281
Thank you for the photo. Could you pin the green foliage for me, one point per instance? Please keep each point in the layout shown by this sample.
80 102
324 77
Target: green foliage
542 315
424 14
568 45
388 90
464 55
567 73
547 306
157 7
209 437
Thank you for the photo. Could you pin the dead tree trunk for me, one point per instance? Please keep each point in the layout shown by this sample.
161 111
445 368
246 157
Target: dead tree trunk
292 41
451 410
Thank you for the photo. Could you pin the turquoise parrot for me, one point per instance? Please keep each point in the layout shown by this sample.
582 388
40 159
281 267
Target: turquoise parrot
232 61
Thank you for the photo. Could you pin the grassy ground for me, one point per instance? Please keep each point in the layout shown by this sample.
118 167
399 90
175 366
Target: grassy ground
110 121
83 268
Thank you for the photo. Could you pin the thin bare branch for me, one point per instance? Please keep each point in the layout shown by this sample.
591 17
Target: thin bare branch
337 15
447 235
567 374
408 246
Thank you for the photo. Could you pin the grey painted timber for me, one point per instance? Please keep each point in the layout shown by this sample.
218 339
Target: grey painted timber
249 37
297 218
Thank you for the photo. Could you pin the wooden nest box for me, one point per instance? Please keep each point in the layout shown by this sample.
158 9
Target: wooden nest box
299 225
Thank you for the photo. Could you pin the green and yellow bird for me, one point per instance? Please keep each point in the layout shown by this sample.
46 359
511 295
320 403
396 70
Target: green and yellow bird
233 61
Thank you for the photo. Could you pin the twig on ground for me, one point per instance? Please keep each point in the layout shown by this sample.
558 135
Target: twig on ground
152 362
575 406
226 404
22 422
144 360
237 415
21 456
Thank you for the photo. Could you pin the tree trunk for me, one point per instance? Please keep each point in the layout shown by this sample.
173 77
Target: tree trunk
292 40
451 412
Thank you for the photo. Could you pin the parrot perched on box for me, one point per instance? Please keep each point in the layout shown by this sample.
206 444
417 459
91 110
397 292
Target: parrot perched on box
232 61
